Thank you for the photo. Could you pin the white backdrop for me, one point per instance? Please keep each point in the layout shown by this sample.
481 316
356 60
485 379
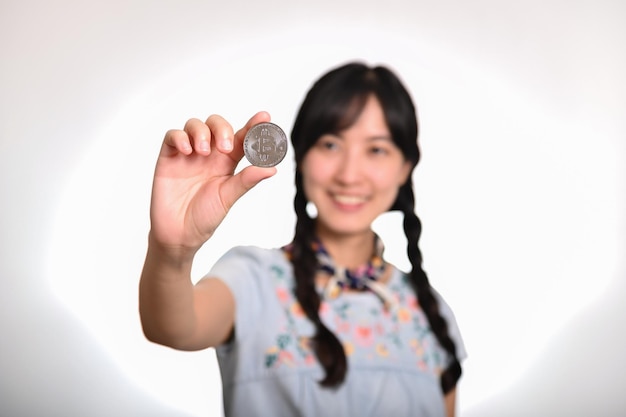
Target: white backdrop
521 186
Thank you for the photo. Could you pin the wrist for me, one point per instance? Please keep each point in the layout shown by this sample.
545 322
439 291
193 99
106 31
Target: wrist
176 256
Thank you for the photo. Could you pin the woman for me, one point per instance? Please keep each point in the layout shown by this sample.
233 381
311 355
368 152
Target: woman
322 326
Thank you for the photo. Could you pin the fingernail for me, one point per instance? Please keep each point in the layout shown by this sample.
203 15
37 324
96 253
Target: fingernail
226 145
204 145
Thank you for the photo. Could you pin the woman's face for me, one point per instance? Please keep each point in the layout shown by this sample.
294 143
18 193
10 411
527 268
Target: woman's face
354 176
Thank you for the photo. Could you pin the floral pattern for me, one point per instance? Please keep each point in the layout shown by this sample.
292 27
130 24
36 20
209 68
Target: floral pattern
371 333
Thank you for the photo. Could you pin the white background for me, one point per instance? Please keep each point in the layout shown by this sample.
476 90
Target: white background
521 186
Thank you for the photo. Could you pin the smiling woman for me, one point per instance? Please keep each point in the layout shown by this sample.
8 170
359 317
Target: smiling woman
519 188
353 169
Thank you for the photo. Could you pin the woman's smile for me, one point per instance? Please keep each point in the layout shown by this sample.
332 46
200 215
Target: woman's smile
348 202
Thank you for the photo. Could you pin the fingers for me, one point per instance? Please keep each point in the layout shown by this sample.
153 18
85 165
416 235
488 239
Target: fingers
176 141
200 137
239 184
222 133
260 117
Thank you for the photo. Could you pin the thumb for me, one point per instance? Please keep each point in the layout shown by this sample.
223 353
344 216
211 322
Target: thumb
239 184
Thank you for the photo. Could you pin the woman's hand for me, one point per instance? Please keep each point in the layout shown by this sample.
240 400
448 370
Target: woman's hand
194 183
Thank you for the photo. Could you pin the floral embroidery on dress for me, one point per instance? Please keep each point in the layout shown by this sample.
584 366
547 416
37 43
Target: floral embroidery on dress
363 336
381 350
374 334
279 354
289 348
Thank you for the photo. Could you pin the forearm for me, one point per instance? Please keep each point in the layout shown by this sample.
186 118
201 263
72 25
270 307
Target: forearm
450 401
166 299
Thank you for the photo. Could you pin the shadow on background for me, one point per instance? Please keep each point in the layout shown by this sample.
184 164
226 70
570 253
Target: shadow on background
579 376
51 366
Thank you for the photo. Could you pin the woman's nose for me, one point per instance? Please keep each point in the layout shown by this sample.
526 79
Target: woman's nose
349 169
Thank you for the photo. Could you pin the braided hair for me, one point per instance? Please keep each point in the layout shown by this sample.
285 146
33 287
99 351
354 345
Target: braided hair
332 104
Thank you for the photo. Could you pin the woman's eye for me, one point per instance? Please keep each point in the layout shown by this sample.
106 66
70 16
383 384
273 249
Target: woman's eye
328 145
377 150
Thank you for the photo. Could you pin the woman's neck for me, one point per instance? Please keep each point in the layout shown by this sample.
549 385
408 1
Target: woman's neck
348 250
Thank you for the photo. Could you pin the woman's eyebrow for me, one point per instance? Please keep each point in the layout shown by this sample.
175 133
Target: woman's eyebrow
383 137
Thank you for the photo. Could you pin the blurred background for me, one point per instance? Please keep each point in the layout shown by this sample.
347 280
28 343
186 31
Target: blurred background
520 189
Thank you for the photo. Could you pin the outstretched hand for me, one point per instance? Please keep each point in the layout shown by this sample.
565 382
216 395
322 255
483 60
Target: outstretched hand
194 182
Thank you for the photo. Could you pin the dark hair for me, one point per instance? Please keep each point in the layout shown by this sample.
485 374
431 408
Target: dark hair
332 104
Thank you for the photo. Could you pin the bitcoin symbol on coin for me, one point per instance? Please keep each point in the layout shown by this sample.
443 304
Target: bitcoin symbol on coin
265 145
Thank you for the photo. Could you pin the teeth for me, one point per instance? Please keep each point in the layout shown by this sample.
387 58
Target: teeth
348 199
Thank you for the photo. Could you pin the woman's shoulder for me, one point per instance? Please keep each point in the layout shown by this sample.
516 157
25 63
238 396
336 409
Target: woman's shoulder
241 266
255 254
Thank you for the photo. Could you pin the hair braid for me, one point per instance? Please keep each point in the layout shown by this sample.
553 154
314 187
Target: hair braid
326 345
421 285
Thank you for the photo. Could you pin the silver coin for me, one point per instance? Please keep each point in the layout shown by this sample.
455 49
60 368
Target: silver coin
265 145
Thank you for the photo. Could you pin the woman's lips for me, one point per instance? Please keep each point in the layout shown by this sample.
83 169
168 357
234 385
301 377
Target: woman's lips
348 199
348 202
